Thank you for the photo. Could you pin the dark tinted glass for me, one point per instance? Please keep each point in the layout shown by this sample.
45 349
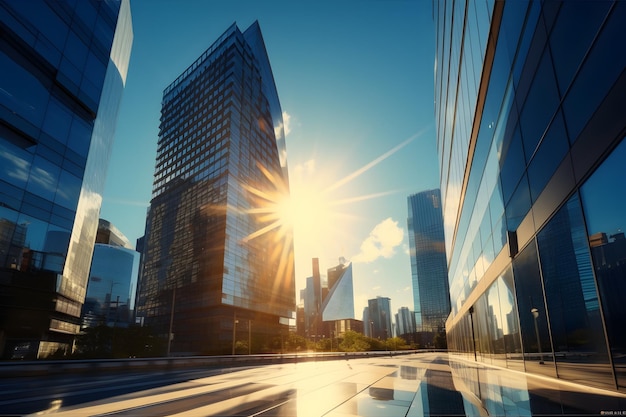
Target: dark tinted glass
575 28
518 206
541 103
604 201
575 318
532 312
512 165
553 148
600 70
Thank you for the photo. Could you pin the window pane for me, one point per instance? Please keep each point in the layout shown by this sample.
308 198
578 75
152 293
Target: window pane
598 73
604 198
575 29
519 205
44 177
532 313
541 103
553 148
575 320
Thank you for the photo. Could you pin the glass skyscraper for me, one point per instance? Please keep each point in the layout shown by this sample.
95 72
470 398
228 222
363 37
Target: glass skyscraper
431 294
216 271
63 68
529 110
377 318
338 304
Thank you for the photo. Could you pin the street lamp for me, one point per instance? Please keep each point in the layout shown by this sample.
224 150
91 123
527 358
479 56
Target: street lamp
108 316
535 314
235 321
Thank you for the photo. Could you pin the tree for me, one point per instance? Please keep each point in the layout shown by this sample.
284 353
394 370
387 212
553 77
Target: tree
396 343
118 342
354 342
440 340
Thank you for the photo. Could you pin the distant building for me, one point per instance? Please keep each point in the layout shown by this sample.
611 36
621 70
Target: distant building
110 298
405 324
63 68
378 318
431 293
215 274
338 304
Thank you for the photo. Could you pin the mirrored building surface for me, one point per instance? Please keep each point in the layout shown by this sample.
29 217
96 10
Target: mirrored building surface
377 318
217 274
112 286
63 70
529 110
431 294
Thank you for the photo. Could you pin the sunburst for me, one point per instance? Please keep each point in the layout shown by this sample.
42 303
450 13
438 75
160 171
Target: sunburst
306 212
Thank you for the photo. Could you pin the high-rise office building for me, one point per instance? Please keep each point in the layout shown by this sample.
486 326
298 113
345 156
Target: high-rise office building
431 293
112 285
378 318
405 324
529 109
63 70
338 304
216 273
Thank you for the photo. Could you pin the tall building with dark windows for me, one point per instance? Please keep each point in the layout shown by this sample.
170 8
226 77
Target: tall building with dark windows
63 68
377 318
529 105
217 274
431 294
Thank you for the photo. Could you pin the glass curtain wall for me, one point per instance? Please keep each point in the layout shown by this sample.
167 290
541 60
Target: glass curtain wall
532 189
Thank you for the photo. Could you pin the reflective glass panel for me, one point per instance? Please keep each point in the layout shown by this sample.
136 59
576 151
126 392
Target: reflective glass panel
604 198
532 312
574 313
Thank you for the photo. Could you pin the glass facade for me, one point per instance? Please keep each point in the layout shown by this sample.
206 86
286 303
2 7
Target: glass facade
528 98
112 286
377 318
211 257
405 323
338 304
63 71
431 295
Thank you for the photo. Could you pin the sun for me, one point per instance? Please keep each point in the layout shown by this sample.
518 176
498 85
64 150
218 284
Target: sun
306 209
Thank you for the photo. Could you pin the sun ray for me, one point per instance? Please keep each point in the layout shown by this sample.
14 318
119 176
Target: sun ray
375 162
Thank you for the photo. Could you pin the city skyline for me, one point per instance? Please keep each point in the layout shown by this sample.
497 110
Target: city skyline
358 127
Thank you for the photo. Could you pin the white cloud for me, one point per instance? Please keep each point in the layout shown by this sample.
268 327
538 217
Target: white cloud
286 122
284 128
381 242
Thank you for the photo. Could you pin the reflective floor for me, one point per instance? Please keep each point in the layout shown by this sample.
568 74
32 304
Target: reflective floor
427 384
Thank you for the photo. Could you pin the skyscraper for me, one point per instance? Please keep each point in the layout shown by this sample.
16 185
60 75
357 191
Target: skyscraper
216 272
431 294
529 108
405 323
63 70
338 304
378 318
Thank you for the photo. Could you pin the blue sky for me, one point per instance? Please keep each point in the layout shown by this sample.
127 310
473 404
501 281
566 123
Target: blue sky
355 80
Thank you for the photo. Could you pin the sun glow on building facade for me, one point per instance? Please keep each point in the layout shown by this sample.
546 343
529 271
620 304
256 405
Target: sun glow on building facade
215 273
